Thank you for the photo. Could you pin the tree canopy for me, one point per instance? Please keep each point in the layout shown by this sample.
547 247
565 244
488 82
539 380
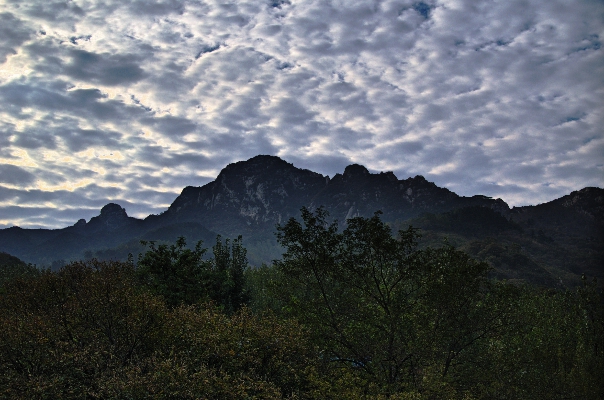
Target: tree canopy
183 276
348 312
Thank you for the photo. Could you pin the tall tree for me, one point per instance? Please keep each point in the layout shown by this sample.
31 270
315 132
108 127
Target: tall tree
230 263
184 276
398 316
177 273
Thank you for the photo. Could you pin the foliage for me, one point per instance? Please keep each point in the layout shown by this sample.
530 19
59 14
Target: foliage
261 283
351 313
182 275
207 354
553 349
229 264
12 268
65 332
177 273
90 331
403 319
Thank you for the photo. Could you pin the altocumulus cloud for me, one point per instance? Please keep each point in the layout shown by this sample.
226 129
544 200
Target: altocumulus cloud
131 101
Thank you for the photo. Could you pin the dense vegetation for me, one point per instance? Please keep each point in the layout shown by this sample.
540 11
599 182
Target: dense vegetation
346 313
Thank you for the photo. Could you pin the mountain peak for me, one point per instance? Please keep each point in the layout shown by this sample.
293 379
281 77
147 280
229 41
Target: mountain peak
257 161
354 170
266 158
112 216
260 191
258 165
112 211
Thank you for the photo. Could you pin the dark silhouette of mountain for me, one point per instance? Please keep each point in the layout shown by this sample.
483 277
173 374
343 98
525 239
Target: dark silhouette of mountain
247 197
250 196
544 244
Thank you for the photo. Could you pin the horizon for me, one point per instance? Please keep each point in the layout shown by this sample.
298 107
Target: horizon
94 212
129 102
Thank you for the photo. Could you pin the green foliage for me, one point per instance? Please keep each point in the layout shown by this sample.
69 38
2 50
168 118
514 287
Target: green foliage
65 332
91 331
508 260
553 349
351 313
177 273
12 268
401 319
391 313
207 354
230 263
261 285
182 276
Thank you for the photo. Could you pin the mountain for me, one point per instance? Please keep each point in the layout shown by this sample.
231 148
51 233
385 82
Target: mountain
252 196
544 244
247 197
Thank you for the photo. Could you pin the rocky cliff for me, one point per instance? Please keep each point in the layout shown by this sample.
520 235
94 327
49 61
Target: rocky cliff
254 195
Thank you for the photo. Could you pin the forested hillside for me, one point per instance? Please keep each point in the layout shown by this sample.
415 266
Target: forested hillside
347 312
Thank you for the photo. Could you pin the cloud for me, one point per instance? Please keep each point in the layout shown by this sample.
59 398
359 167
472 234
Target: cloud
156 8
105 100
15 175
169 125
13 33
50 10
103 69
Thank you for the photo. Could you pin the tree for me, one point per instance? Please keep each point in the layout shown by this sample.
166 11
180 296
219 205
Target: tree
91 331
397 316
177 273
12 268
553 348
66 332
184 276
206 354
230 263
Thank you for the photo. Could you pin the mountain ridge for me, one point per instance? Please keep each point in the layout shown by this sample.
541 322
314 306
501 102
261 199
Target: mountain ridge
251 197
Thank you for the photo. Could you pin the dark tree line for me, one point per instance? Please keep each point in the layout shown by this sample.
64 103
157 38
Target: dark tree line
347 312
182 276
429 322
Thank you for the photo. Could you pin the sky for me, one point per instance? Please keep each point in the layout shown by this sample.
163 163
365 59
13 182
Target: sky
131 101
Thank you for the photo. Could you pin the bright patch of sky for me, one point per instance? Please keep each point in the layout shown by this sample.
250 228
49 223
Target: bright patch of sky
130 102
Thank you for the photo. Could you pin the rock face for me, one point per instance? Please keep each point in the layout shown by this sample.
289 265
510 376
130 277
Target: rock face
247 196
255 195
112 217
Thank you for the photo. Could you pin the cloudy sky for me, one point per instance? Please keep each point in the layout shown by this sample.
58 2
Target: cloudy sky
131 101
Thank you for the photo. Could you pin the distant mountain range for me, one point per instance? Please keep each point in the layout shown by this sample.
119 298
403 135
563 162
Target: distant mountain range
550 244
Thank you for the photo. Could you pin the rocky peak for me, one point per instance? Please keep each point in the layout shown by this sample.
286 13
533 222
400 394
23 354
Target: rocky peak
589 200
501 207
589 196
112 216
419 181
355 170
261 190
261 164
265 173
390 176
113 211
